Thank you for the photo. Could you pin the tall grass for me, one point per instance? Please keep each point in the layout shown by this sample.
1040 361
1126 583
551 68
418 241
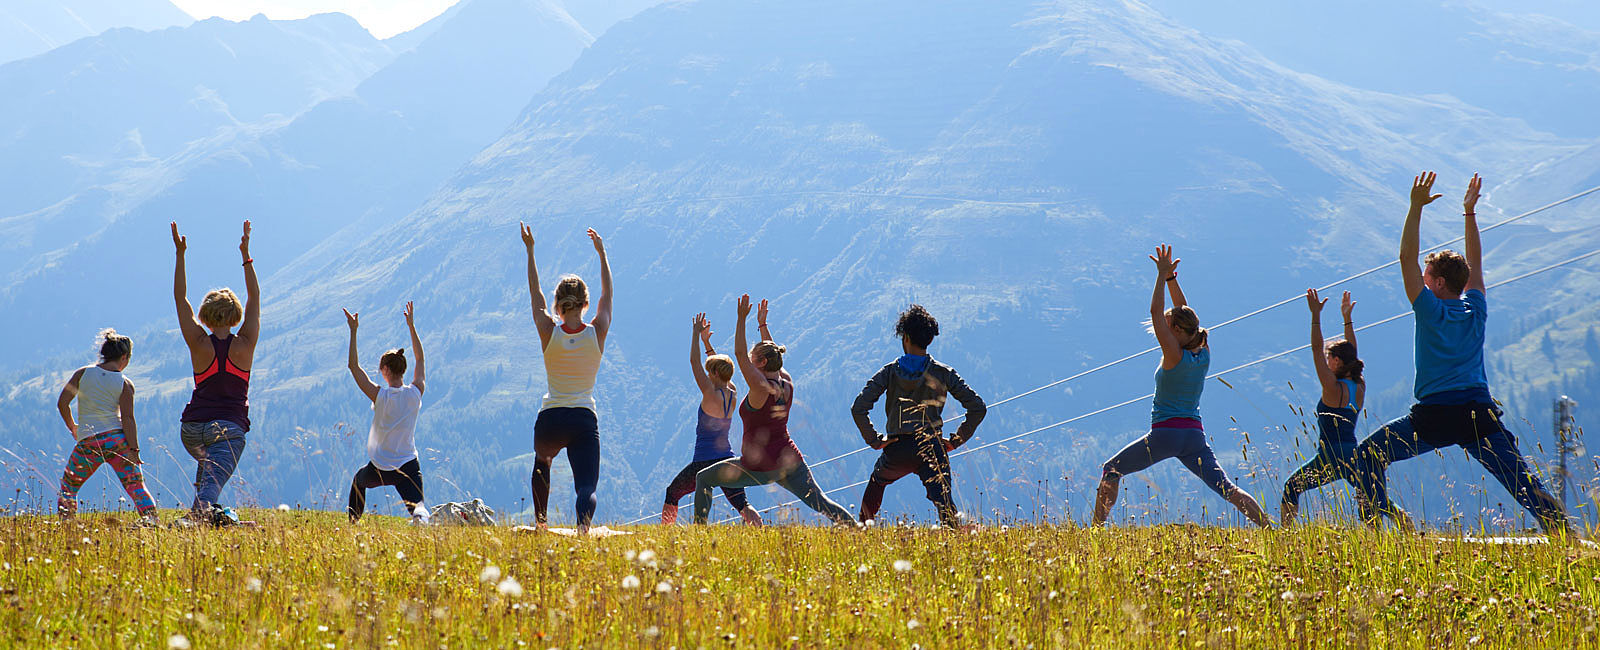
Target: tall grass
310 579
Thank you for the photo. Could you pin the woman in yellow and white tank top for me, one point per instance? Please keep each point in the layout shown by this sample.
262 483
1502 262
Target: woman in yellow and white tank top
572 349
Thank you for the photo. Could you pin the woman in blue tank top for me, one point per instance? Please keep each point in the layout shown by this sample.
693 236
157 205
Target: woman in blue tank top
717 401
1339 374
1175 430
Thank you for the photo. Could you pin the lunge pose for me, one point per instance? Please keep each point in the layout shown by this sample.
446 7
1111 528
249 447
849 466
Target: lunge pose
104 429
391 442
572 350
768 454
1339 374
913 438
218 415
717 400
1447 296
1175 430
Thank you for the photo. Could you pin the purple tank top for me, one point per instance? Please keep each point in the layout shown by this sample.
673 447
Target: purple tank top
766 445
221 391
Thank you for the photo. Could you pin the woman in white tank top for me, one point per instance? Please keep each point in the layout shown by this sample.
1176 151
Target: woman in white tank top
572 349
104 430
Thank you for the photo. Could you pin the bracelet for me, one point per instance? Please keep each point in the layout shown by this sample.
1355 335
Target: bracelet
1349 322
1469 214
1171 278
1316 321
710 351
248 261
761 325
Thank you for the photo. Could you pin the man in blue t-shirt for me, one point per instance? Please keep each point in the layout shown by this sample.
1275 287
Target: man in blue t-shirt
1453 403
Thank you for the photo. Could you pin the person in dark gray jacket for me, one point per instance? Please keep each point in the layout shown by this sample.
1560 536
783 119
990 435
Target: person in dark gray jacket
914 436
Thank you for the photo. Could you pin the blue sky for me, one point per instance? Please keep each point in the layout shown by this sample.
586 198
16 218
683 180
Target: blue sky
384 18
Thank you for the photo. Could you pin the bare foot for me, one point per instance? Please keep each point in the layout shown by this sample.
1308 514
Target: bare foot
750 516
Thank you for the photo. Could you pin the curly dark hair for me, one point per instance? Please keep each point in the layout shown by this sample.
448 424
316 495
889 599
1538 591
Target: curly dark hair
917 325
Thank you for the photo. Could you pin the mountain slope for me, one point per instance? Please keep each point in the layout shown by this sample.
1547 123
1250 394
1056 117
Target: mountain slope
32 27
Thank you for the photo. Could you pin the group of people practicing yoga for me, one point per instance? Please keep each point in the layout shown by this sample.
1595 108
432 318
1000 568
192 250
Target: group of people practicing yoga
1454 406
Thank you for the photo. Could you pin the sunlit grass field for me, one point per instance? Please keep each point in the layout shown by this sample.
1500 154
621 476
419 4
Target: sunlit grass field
309 579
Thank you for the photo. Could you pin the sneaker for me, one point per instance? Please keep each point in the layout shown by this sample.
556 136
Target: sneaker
750 516
420 519
669 514
222 516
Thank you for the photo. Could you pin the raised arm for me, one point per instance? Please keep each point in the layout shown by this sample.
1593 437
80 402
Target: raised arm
363 381
1172 286
190 330
1319 356
699 331
130 427
1347 307
64 401
1171 352
1410 268
541 312
1474 246
419 375
250 328
761 321
602 309
755 378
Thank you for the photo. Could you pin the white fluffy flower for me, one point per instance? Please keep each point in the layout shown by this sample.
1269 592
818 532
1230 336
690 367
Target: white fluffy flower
283 507
902 565
252 585
509 588
399 555
862 570
652 632
913 624
663 587
630 582
489 575
178 642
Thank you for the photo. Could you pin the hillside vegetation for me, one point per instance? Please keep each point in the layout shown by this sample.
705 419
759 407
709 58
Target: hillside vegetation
307 579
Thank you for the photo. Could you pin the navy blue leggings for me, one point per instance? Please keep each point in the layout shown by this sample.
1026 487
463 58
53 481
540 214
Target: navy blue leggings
1476 428
576 430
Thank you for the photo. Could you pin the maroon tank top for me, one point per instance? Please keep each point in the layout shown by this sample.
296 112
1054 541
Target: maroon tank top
766 445
221 391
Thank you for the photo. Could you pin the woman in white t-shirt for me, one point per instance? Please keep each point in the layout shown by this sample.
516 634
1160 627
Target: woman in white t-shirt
104 429
391 444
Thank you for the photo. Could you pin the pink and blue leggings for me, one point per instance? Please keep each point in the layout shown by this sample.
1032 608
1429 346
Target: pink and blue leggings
87 457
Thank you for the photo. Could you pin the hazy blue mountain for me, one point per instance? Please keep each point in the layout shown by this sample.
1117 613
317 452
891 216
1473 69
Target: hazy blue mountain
1581 13
31 27
101 109
406 40
1008 164
1515 63
599 15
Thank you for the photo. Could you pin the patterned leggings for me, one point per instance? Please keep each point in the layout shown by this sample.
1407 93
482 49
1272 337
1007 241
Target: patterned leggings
86 458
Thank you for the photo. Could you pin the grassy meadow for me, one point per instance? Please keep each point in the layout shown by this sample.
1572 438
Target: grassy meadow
309 579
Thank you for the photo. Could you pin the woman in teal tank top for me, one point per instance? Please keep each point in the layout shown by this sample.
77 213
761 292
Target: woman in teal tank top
1175 430
1339 375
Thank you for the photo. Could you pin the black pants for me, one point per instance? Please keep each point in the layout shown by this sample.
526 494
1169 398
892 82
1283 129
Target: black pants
407 481
576 430
683 484
924 455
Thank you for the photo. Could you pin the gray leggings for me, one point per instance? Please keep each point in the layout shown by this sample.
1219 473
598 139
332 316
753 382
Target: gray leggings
795 478
1187 445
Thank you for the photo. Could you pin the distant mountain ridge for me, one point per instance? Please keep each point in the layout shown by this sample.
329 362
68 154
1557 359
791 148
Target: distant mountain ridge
1007 164
32 27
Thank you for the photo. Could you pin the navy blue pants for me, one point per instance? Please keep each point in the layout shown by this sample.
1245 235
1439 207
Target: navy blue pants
576 430
1189 446
1478 429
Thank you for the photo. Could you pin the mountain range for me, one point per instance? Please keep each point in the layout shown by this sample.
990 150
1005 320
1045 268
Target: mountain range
1006 164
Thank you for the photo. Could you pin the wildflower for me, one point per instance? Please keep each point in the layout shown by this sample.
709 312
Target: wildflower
178 642
283 507
252 585
490 575
630 582
862 570
902 565
647 556
399 555
652 632
509 588
913 624
630 554
663 587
